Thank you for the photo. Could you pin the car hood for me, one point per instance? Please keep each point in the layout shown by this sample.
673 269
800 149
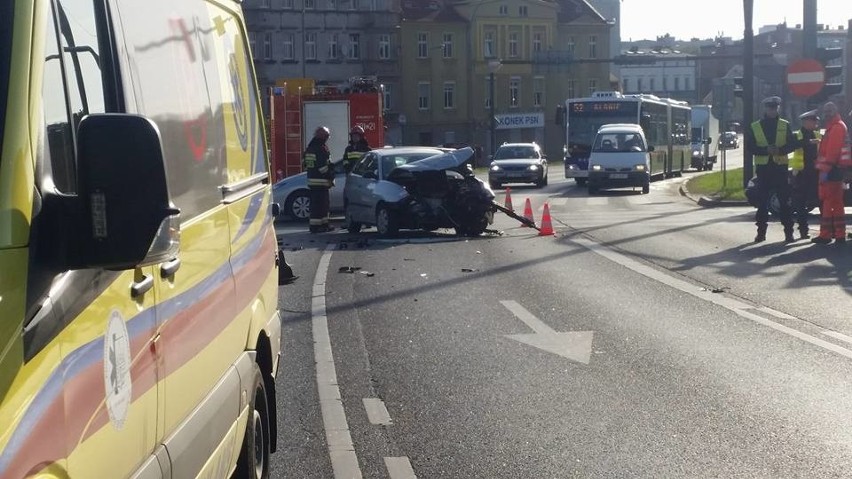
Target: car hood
297 178
447 161
618 159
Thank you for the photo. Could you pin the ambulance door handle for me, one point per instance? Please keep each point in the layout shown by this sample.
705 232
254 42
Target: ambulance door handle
169 268
141 287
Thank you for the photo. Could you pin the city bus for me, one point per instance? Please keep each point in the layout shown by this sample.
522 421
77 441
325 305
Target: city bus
666 123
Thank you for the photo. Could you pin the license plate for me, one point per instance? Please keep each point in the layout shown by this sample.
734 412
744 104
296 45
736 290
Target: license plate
618 176
516 174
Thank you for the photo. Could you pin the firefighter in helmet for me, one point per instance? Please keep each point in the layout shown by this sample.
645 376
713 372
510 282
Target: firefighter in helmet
357 147
320 179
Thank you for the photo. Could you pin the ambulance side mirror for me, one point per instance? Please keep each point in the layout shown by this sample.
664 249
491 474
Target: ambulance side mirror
127 219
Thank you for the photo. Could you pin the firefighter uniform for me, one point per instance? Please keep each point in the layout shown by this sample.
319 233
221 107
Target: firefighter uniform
355 150
770 140
320 179
832 221
803 168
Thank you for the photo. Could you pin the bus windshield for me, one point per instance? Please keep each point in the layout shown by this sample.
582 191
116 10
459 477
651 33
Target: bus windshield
5 61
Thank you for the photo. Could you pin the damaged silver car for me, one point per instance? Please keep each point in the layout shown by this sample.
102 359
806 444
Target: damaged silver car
437 192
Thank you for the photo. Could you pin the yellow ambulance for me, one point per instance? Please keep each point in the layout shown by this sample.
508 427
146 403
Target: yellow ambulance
139 329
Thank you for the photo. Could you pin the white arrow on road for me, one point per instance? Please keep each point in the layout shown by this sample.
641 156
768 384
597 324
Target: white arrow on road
574 345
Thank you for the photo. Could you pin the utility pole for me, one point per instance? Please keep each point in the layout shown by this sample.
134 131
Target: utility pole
748 86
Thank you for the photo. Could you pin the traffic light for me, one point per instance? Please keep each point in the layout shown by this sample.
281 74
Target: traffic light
833 73
738 87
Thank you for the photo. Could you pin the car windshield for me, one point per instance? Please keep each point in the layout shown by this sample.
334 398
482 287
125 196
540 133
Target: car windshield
5 60
516 153
389 162
618 142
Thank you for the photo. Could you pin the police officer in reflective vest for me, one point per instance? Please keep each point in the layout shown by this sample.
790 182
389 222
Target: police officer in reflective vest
770 140
355 150
802 166
320 179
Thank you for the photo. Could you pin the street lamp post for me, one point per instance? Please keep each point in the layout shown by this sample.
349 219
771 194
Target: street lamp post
493 66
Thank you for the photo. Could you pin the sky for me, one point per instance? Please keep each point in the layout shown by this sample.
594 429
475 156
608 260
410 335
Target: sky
685 19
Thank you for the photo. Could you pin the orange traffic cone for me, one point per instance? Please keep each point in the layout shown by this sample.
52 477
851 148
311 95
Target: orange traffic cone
528 213
508 203
546 225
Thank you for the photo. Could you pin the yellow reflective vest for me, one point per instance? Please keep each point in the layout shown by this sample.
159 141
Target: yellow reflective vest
797 159
760 140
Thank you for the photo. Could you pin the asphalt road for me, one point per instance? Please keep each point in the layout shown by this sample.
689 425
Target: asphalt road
647 338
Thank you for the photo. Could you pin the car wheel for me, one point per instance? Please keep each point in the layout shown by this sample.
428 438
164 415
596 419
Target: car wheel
580 181
253 462
352 226
477 228
386 222
646 188
543 180
495 185
298 206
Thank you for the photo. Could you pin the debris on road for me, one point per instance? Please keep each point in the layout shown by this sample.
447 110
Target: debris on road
367 274
469 270
348 269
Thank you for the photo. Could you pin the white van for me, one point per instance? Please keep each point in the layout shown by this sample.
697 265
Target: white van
620 158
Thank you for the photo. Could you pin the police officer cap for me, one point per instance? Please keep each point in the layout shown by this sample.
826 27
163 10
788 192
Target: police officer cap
772 101
810 115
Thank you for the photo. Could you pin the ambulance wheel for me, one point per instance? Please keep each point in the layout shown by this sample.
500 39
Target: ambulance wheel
298 206
253 462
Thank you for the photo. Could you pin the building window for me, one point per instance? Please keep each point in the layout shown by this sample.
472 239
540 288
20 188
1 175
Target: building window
310 46
514 92
288 52
572 88
593 87
422 45
448 45
593 46
487 92
652 84
384 47
310 4
687 84
267 3
449 95
665 83
570 45
639 85
538 91
677 83
513 45
423 95
522 10
354 46
267 46
504 9
488 45
253 44
625 88
386 97
536 43
287 4
333 47
332 5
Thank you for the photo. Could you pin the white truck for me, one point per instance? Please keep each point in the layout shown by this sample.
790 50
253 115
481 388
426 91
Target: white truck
705 137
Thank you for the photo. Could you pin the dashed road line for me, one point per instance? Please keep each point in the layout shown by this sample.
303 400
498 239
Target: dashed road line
399 468
377 413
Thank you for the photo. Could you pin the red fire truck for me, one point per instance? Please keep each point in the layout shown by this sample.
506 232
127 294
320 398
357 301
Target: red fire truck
295 114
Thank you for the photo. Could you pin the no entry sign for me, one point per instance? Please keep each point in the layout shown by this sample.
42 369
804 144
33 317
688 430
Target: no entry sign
805 77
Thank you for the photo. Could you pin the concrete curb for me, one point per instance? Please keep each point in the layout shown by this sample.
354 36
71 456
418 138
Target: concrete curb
709 201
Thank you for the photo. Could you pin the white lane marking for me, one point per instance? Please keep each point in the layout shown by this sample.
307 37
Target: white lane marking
840 336
377 413
399 468
573 345
740 308
597 201
344 461
528 318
